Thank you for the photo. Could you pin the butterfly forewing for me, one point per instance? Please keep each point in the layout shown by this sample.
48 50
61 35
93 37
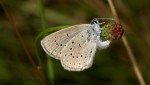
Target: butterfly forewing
55 42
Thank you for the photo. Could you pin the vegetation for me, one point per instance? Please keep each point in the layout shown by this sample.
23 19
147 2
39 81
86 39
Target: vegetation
24 22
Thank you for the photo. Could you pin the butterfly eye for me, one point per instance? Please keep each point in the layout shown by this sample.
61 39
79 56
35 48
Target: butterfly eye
95 21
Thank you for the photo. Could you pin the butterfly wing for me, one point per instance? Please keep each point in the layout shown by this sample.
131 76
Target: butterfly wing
79 52
55 42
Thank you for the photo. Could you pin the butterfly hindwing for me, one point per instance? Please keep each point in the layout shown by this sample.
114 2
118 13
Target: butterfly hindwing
79 51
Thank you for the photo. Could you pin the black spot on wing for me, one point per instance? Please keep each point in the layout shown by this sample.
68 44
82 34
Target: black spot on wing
67 35
72 42
79 45
70 48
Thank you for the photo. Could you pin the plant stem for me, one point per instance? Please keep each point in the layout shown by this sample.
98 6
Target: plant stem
44 26
14 28
42 14
134 63
130 53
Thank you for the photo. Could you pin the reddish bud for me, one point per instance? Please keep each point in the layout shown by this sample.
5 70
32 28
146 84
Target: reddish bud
117 31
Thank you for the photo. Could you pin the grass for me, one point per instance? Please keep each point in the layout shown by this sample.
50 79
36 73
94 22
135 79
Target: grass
130 53
23 24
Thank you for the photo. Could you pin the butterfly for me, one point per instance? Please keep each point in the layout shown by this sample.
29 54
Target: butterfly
75 46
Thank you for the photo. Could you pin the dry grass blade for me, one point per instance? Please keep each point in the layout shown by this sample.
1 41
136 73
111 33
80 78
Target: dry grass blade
99 7
14 27
130 53
135 66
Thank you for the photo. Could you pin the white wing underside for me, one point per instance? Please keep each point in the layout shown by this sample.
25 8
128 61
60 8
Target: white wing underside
58 40
79 55
71 46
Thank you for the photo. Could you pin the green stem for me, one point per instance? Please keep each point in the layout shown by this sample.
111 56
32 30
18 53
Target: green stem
42 14
44 26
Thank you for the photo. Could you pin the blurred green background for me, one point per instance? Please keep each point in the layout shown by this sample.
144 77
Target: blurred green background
111 66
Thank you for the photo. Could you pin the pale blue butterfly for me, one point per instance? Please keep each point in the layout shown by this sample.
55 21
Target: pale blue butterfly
75 46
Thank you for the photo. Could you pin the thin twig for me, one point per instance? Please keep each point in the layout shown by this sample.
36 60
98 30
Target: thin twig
99 7
130 53
113 11
14 28
132 58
